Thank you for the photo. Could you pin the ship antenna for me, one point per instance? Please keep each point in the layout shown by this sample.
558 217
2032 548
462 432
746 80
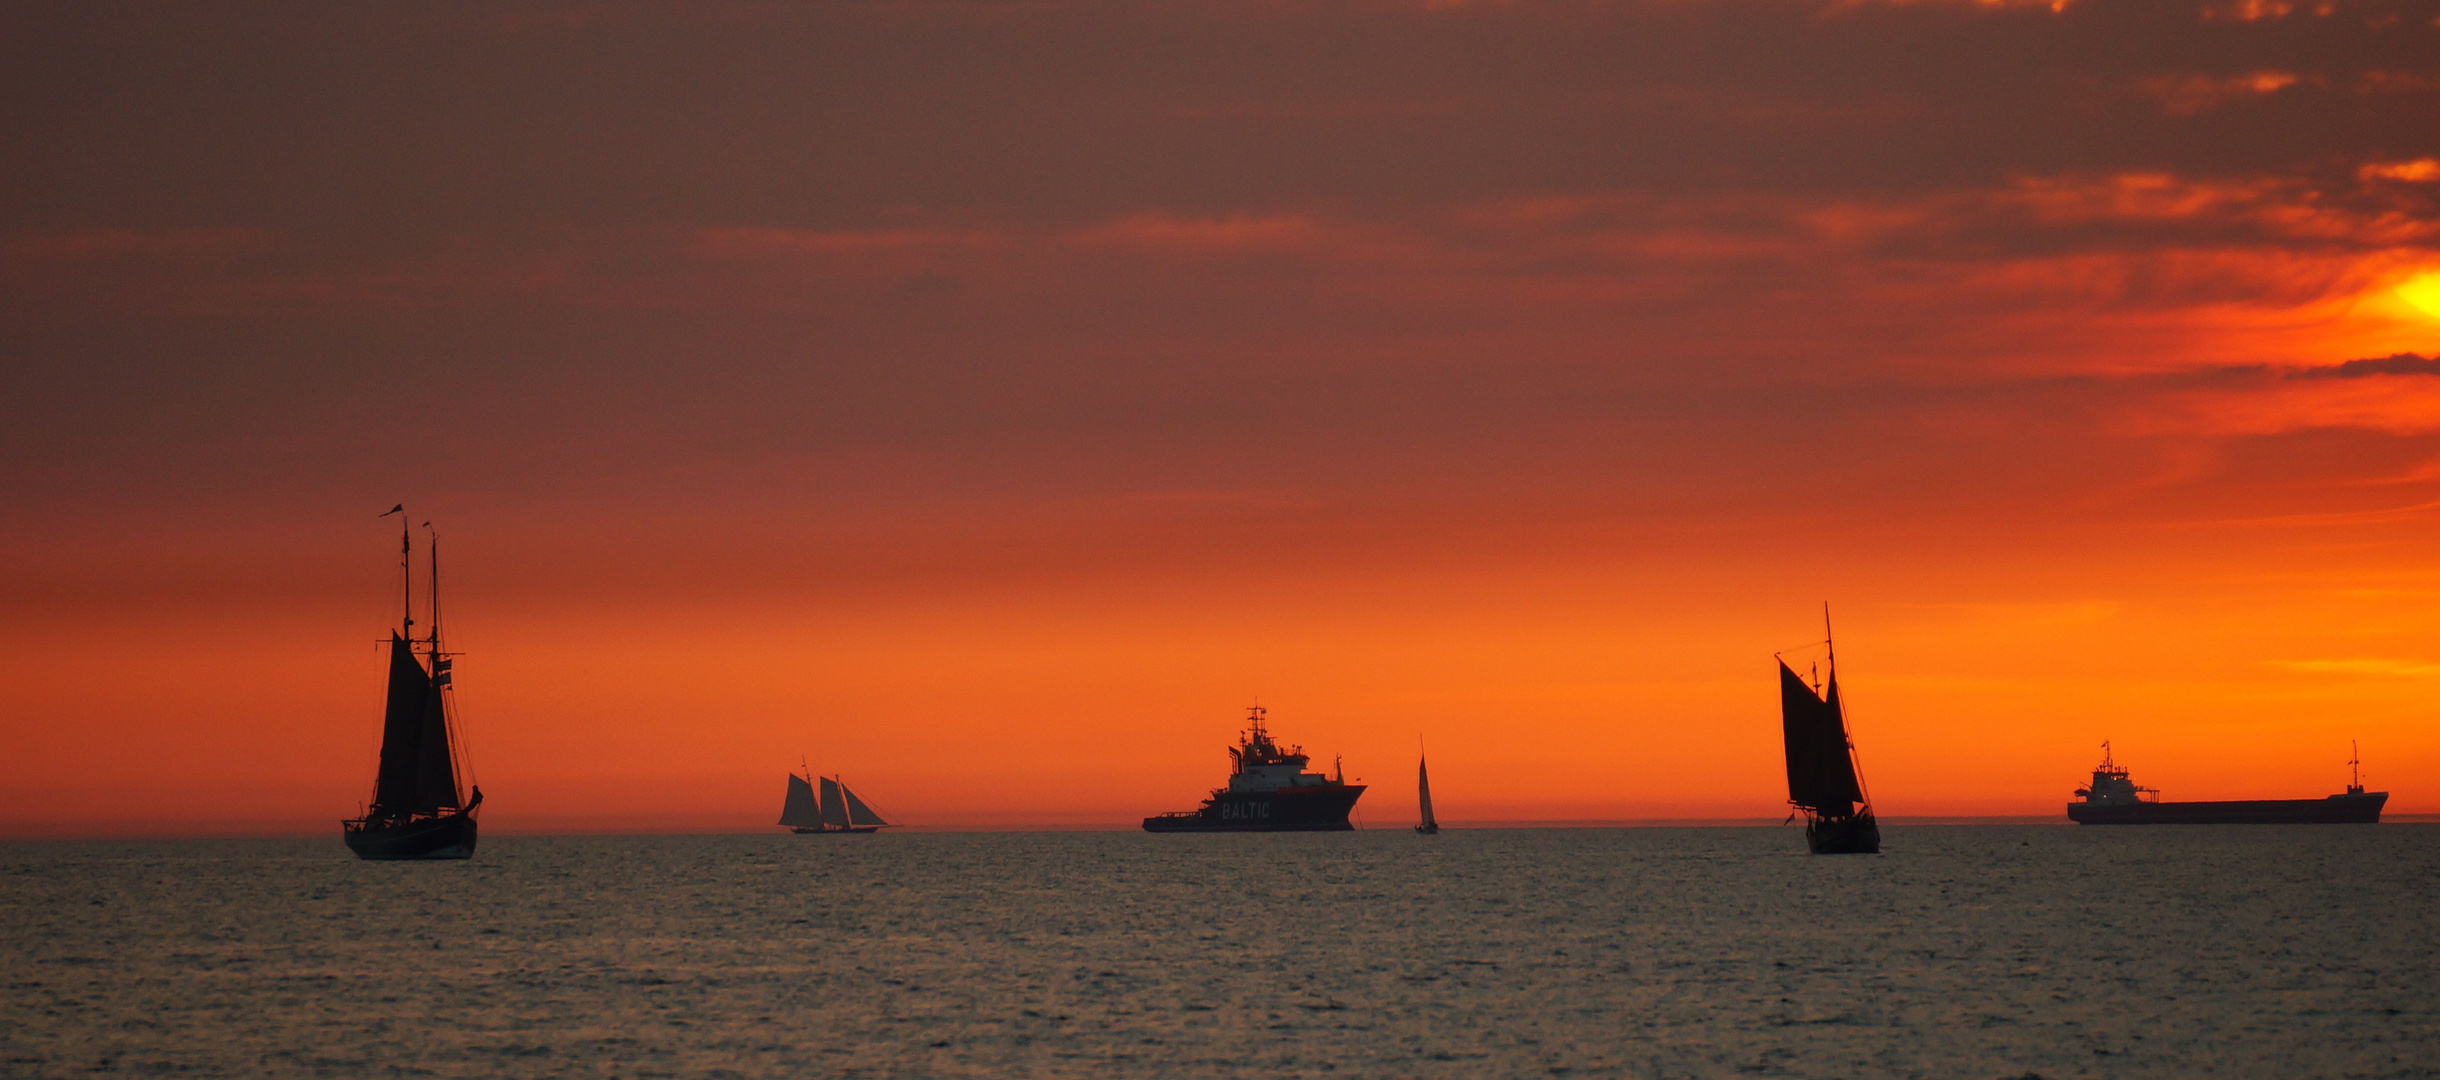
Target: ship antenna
2355 769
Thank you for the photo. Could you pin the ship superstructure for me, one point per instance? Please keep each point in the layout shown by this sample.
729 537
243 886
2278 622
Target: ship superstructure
2111 787
2115 799
1269 790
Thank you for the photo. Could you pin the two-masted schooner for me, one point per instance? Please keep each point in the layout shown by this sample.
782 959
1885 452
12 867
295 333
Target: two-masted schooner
418 810
1824 782
838 810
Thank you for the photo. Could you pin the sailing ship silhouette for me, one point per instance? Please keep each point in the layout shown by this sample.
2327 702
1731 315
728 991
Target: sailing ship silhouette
836 810
1824 782
418 810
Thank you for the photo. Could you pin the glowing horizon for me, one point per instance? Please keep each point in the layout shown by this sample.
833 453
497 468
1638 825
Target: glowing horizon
988 404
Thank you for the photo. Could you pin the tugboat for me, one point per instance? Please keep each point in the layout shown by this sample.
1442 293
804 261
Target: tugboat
2114 799
837 811
1824 782
417 812
1268 791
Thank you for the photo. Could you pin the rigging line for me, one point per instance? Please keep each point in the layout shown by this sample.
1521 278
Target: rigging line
1799 648
1854 755
460 754
876 808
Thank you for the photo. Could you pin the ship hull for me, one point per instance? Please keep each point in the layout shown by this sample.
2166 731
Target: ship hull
1310 809
1858 835
2364 809
859 830
448 837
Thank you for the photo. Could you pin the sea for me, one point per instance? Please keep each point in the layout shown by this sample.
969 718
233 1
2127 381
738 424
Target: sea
1961 951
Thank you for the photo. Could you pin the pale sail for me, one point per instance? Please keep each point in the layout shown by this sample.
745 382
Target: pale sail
800 810
1423 792
857 813
834 815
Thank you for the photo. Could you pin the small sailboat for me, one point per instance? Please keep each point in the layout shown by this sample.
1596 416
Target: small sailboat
836 810
1824 782
1423 795
418 810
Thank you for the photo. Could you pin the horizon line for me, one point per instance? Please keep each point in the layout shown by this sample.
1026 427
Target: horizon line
71 835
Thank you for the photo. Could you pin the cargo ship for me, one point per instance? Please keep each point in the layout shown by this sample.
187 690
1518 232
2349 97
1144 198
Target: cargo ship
1268 791
2114 799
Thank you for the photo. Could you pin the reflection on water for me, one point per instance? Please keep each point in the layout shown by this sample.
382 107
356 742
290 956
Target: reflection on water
1983 951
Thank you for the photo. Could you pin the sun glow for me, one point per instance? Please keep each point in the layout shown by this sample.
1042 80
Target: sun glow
2423 291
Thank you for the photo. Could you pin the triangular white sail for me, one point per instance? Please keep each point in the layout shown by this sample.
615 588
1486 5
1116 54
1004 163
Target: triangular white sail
857 813
800 811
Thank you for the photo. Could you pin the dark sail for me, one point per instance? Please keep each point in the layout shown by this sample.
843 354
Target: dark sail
799 811
435 772
834 814
396 789
857 812
1821 774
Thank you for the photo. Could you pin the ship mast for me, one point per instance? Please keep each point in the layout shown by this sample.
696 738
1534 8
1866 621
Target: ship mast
406 570
1855 760
440 666
432 583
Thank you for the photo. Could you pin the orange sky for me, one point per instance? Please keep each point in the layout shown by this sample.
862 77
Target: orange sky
988 402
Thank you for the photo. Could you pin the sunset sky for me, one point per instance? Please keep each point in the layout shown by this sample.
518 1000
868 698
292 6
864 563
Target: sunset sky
987 401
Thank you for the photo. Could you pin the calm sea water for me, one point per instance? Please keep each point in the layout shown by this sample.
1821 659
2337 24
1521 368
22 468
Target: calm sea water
1962 952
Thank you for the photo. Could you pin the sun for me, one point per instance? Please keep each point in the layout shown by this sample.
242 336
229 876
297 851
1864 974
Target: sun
2423 291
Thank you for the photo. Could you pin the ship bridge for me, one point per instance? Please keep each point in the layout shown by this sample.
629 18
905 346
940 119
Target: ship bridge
2112 787
1257 763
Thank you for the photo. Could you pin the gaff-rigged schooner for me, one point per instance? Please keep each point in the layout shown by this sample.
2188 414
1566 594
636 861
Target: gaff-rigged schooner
1423 795
417 812
837 811
1824 782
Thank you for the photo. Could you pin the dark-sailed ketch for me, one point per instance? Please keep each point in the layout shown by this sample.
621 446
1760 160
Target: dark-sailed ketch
837 811
417 812
1268 791
1824 782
